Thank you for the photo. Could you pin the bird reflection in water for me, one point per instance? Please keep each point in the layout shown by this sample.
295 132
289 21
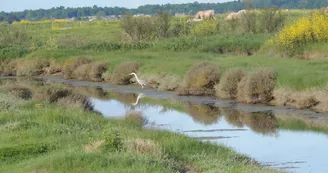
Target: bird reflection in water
141 95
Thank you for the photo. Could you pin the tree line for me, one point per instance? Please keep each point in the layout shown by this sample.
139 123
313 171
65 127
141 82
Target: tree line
187 8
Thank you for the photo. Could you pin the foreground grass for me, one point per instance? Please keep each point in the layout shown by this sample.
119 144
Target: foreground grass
50 138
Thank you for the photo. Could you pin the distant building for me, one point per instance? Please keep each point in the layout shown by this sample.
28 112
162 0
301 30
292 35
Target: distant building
141 15
180 14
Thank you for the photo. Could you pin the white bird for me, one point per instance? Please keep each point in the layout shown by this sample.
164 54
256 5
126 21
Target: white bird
141 95
141 82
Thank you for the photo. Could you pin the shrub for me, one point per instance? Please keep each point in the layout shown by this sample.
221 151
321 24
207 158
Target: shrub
97 70
54 68
162 23
305 31
227 88
71 64
257 87
82 72
20 92
9 68
233 24
271 20
73 100
113 142
139 28
169 83
121 74
200 78
204 28
180 29
22 151
14 51
31 67
248 21
52 94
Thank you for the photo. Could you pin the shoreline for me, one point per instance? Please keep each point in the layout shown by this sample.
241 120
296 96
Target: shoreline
207 100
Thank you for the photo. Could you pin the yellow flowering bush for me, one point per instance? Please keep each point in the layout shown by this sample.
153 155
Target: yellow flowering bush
204 28
22 22
305 30
320 27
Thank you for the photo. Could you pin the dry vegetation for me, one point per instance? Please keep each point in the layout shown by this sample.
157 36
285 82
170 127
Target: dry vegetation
72 64
162 82
8 68
136 118
97 71
121 74
315 99
257 86
82 72
200 79
227 88
31 67
18 91
144 146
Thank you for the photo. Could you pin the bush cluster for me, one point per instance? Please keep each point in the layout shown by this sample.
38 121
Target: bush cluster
303 32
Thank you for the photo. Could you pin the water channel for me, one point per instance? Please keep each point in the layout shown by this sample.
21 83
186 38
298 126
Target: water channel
279 137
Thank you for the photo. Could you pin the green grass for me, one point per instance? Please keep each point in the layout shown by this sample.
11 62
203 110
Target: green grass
52 139
292 73
176 55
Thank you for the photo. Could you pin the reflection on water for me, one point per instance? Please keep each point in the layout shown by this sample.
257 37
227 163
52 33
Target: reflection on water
257 135
141 95
289 142
262 123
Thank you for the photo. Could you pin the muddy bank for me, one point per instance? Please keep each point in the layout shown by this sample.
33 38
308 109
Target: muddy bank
207 100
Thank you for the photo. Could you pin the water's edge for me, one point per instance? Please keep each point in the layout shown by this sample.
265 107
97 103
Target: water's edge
211 101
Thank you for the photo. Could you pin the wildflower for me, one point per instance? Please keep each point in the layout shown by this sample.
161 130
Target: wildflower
37 105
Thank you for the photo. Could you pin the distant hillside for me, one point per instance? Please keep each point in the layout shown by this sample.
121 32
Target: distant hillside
190 8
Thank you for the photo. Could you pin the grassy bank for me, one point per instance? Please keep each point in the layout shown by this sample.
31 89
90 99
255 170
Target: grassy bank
292 73
162 50
46 137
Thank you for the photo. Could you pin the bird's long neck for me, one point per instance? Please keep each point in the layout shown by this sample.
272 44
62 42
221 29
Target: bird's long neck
136 77
137 101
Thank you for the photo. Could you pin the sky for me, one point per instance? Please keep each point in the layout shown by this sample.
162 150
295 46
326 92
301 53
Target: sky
20 5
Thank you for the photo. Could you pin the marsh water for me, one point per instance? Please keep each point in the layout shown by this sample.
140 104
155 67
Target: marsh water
278 137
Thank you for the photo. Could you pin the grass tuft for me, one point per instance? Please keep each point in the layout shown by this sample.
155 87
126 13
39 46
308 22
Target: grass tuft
82 72
257 87
136 118
200 79
121 74
32 67
97 71
72 64
144 146
227 88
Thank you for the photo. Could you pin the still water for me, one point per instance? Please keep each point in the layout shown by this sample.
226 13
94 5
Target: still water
257 135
